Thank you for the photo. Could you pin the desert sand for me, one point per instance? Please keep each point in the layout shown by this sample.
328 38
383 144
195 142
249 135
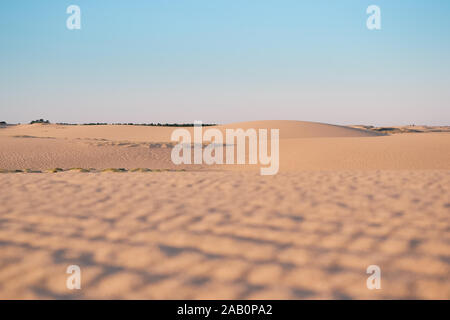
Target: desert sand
345 198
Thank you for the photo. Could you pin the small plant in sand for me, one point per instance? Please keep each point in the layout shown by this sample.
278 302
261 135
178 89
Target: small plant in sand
141 170
55 170
32 171
115 170
9 171
79 170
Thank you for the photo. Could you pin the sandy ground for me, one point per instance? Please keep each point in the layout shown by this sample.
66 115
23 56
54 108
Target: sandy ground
344 199
303 146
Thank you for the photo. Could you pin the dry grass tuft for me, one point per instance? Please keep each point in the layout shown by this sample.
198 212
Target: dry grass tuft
115 170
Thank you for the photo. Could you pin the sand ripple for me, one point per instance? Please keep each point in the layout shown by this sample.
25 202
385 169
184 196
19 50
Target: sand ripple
226 234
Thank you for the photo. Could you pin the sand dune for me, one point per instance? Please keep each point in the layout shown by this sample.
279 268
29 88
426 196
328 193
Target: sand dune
344 199
302 129
290 129
303 146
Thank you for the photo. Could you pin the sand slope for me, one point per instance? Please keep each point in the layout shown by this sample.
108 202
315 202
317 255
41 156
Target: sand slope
302 129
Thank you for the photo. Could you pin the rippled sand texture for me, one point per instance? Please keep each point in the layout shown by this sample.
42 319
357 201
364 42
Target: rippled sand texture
226 234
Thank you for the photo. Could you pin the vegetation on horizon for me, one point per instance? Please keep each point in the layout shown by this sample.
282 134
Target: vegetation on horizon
121 124
92 170
147 124
40 121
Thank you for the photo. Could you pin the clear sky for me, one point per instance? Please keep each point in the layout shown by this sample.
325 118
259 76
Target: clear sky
226 60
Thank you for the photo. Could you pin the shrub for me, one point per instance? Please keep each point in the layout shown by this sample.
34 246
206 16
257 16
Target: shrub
79 169
141 170
39 121
32 171
115 170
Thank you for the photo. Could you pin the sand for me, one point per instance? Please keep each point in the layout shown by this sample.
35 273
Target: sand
303 146
344 199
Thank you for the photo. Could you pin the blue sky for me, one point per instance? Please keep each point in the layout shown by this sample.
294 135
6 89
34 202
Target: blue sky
224 61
